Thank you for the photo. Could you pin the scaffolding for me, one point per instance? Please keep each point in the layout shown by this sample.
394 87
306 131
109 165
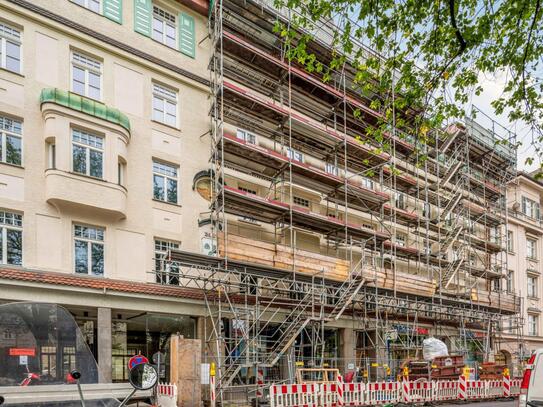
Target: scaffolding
315 227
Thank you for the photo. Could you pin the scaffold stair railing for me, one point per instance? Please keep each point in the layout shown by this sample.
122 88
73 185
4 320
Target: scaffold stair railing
451 136
349 289
451 238
451 270
294 324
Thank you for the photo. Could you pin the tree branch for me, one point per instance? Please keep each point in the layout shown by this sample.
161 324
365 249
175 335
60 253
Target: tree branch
457 32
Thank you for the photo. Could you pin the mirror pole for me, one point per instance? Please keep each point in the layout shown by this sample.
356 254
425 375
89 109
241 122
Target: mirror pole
80 393
127 399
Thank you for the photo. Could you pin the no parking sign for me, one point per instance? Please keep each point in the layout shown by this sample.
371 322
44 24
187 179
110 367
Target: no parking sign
137 360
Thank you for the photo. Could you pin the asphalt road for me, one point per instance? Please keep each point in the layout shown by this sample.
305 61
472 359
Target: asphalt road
508 403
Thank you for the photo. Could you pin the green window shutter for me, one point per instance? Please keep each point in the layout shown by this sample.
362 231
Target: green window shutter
187 38
113 9
143 11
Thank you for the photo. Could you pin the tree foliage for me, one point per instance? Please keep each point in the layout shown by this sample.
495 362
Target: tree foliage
422 60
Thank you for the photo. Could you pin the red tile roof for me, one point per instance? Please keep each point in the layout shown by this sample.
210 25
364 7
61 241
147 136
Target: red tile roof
99 283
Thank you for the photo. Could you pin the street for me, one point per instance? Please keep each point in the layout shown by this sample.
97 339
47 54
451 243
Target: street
492 403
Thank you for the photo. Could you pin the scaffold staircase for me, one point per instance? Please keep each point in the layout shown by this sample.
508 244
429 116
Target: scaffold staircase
450 272
451 136
293 326
349 289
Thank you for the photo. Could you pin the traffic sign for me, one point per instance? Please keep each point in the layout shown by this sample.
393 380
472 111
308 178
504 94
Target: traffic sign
137 360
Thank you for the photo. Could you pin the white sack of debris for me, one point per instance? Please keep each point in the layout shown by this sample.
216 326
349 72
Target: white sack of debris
433 348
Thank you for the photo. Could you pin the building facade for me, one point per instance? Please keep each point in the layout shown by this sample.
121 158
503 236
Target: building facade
166 169
524 250
103 112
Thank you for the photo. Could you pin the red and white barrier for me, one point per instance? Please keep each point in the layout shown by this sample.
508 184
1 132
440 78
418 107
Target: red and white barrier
260 383
382 393
340 401
338 394
167 394
445 390
494 389
296 395
506 386
462 388
420 391
354 394
515 387
329 395
476 389
212 391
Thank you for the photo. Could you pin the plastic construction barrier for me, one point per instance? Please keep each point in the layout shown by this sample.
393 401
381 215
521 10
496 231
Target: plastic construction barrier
167 395
297 395
338 394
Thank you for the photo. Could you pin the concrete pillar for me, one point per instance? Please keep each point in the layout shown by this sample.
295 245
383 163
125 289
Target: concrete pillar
347 350
104 343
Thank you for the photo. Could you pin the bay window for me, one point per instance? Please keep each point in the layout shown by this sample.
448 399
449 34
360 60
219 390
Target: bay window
87 153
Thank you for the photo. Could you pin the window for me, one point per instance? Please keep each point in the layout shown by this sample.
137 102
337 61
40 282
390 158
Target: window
11 238
89 250
121 168
10 48
531 248
530 208
164 27
112 9
52 155
533 322
367 183
532 286
510 282
86 76
510 241
11 144
300 201
93 5
295 155
400 240
164 182
399 200
246 136
87 153
497 285
247 190
167 272
164 105
332 169
426 210
472 259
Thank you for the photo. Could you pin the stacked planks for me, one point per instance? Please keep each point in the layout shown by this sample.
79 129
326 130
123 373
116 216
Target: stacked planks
285 258
405 282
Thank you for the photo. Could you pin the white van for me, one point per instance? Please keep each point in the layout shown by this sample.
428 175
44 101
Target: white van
531 388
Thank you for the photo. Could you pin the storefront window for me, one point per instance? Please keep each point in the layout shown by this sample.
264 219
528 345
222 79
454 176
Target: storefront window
146 334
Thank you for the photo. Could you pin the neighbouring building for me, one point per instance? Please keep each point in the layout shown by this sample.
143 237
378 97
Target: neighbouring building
525 248
164 168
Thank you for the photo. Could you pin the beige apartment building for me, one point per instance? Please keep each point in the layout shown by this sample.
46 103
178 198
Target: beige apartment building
104 122
525 248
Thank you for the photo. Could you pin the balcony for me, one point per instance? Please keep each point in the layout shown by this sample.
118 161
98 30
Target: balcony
66 190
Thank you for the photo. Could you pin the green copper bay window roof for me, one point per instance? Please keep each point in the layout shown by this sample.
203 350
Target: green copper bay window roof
84 105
